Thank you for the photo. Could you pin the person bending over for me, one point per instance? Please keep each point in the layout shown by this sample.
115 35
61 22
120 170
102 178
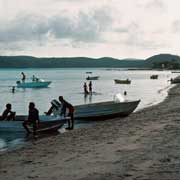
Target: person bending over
33 119
66 105
8 114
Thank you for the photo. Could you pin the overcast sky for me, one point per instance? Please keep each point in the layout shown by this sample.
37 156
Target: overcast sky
93 28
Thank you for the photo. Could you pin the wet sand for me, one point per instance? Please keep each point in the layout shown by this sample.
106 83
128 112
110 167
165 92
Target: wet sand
142 146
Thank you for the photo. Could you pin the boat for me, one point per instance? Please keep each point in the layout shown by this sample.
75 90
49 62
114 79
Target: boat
175 80
120 81
88 72
33 84
92 78
154 76
104 110
47 124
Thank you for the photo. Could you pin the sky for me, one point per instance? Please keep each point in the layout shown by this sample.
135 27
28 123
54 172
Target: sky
90 28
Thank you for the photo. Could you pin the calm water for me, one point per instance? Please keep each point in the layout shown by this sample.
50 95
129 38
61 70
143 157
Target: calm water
69 83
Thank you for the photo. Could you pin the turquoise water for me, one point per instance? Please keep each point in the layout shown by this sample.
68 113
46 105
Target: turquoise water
69 83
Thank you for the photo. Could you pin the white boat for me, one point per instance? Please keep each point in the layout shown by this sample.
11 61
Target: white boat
33 84
104 110
47 124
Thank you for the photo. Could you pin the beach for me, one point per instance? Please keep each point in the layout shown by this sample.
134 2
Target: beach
142 146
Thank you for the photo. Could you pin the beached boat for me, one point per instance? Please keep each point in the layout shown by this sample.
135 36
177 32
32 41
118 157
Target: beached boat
92 78
104 110
33 84
120 81
175 80
47 124
154 76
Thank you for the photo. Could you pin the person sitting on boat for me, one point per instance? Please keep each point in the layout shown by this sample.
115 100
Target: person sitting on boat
66 105
55 108
8 114
23 76
85 88
33 119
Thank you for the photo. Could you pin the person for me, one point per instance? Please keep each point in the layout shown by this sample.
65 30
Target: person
55 108
125 93
85 89
66 105
33 78
8 114
33 119
90 86
23 76
13 89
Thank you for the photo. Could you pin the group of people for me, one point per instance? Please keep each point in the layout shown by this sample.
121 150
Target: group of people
86 91
58 108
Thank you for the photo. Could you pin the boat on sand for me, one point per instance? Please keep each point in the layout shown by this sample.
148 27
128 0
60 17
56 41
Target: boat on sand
47 124
33 84
104 110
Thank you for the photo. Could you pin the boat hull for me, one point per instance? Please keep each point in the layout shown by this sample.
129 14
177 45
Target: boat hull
92 78
47 124
34 84
104 110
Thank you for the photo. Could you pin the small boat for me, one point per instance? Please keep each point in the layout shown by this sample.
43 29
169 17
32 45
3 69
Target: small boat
154 76
92 78
33 84
125 81
47 124
104 110
89 72
175 80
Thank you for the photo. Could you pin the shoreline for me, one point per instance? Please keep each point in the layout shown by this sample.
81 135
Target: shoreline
144 145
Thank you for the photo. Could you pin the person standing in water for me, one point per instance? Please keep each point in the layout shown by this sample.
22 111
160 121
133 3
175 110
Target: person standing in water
23 76
8 114
90 87
85 89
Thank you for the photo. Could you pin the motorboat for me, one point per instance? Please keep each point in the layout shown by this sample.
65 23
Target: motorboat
154 76
104 110
124 81
92 78
47 124
33 84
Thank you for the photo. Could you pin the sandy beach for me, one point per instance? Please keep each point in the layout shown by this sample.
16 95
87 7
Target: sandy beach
142 146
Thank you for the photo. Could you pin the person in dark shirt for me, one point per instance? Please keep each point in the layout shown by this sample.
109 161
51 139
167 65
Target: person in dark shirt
33 119
8 114
90 87
66 105
23 76
85 88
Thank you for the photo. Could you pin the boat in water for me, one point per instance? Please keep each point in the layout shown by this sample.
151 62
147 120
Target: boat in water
92 78
104 110
47 124
33 84
154 76
120 81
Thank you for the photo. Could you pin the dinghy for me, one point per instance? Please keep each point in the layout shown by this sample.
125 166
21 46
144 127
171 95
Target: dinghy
124 81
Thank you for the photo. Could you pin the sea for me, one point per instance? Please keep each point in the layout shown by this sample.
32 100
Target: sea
68 82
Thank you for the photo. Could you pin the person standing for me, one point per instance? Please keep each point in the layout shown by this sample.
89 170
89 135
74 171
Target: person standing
90 87
85 88
33 119
23 76
66 105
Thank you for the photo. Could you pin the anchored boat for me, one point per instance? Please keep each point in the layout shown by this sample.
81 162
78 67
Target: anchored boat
120 81
33 84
